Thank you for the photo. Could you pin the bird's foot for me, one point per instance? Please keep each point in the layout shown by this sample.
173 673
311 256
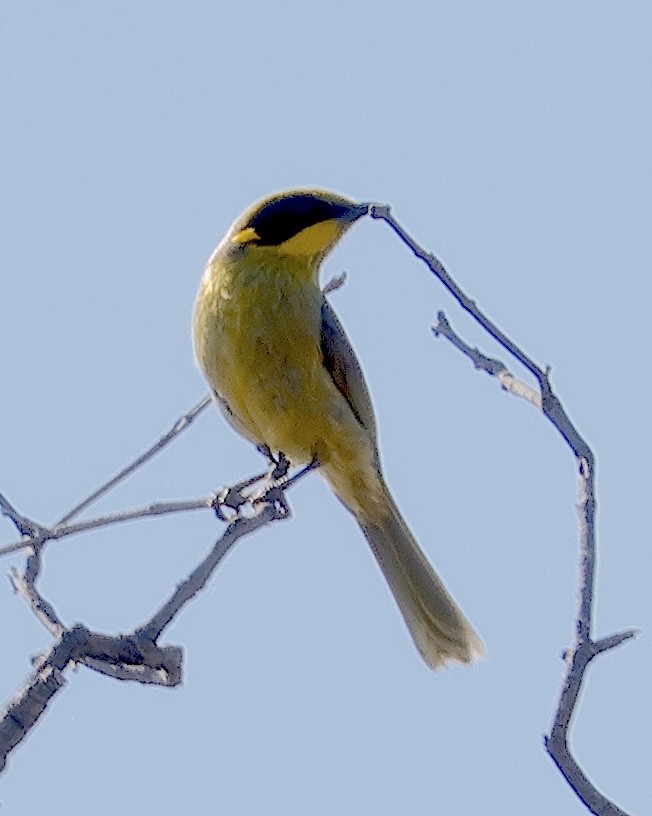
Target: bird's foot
233 498
281 482
228 503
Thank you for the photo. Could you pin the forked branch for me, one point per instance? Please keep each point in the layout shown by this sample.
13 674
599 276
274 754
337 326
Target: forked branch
136 656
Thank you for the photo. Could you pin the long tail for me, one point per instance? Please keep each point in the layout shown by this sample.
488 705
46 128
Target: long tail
437 624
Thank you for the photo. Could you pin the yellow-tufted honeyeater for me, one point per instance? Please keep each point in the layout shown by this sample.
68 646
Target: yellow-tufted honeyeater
284 374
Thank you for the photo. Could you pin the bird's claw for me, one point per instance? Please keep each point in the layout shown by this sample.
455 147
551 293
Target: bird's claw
275 482
231 498
275 496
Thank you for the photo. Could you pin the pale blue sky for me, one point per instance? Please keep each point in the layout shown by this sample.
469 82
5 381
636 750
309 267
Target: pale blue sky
513 140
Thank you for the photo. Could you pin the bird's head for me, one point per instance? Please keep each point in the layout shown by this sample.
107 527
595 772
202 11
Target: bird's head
304 224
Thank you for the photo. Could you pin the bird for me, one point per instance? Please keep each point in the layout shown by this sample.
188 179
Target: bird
284 374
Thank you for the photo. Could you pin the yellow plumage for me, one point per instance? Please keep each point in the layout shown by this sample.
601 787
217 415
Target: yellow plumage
285 376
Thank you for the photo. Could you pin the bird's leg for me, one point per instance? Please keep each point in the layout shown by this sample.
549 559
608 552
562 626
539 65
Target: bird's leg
275 493
279 471
280 464
235 497
266 452
313 464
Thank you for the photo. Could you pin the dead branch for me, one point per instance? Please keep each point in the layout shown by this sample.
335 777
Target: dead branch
135 656
585 647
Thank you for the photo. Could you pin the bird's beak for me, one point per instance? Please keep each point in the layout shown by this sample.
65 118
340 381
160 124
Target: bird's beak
355 211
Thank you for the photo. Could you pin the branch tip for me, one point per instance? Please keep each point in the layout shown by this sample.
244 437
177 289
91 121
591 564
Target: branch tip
380 211
613 641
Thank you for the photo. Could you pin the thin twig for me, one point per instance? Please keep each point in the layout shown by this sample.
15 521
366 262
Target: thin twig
494 367
154 509
179 426
437 268
35 534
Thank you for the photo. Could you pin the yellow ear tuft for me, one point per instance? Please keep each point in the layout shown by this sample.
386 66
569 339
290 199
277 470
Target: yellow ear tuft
246 236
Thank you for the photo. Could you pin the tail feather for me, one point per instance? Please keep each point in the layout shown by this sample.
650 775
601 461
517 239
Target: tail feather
436 623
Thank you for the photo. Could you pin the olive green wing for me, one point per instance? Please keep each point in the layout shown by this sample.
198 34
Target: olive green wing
343 366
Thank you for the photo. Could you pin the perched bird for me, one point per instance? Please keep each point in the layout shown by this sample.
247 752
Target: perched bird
283 372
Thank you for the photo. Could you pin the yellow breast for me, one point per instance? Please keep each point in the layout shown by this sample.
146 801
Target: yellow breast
257 339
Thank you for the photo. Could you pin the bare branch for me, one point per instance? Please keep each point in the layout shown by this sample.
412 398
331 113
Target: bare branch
556 742
492 366
43 610
146 661
585 648
154 509
25 526
136 656
437 268
23 712
35 535
200 576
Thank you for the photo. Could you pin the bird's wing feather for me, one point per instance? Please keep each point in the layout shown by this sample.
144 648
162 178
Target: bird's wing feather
343 366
